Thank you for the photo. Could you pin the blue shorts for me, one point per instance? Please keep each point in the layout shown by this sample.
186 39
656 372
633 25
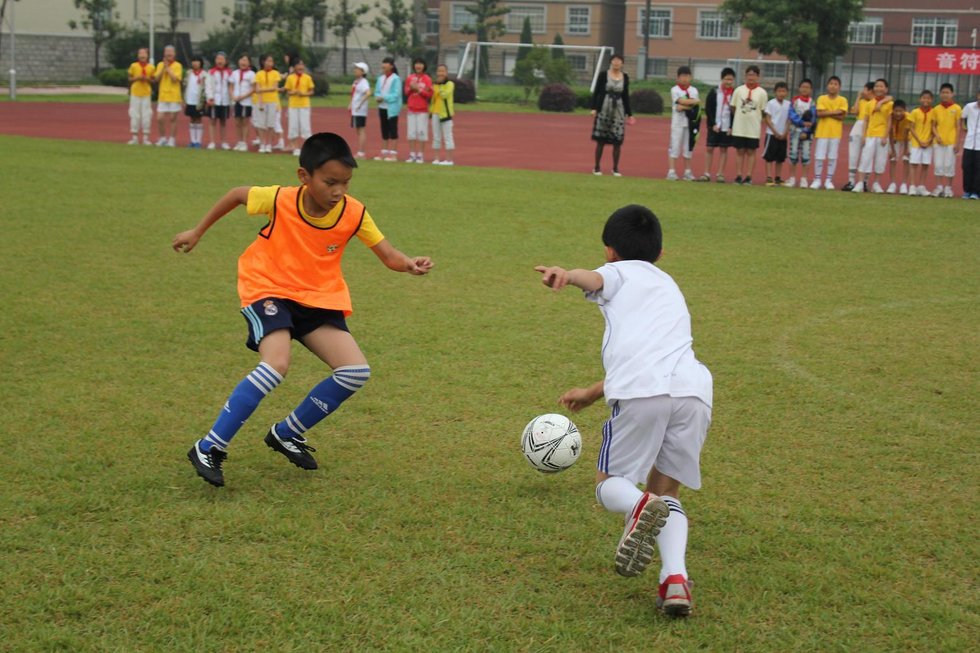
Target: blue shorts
271 314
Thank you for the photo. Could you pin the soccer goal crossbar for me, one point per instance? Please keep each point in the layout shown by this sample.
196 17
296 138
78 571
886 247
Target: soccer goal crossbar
473 49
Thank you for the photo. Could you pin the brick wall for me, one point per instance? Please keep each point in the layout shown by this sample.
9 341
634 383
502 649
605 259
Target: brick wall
42 58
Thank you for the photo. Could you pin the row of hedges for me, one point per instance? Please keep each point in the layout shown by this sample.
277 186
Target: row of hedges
559 97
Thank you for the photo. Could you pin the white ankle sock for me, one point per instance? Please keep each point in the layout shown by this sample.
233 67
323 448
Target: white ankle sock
617 494
672 541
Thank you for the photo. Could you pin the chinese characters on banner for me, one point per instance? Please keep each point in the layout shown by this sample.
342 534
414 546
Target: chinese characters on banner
955 61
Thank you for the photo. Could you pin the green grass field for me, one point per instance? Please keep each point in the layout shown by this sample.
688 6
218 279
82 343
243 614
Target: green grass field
840 476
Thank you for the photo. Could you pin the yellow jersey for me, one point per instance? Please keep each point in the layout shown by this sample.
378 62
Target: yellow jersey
169 89
830 127
264 79
900 128
947 119
302 83
922 121
876 116
862 105
141 88
297 256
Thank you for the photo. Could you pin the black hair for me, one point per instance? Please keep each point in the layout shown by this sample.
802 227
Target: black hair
870 86
264 57
832 78
805 80
617 56
322 147
246 55
899 104
753 69
391 60
420 60
725 72
926 92
882 80
946 85
198 59
683 70
780 85
634 233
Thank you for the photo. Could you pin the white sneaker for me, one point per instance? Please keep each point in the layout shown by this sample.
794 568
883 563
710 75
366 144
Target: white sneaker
172 142
617 173
904 189
688 175
829 185
858 187
241 146
436 162
134 140
225 146
446 163
147 141
161 142
392 156
419 159
280 145
912 191
923 191
211 146
636 547
814 186
877 188
597 173
791 182
948 192
411 158
257 141
360 155
296 152
672 176
938 192
892 187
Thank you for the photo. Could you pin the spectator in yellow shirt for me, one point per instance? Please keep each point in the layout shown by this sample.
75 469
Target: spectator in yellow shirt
877 116
899 141
299 89
168 74
946 139
267 101
140 108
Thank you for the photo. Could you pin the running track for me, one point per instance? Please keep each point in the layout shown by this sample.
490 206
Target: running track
544 141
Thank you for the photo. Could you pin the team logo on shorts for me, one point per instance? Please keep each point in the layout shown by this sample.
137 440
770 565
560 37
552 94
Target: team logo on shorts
270 307
331 249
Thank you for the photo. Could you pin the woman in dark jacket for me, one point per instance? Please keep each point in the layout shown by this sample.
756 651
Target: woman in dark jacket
611 109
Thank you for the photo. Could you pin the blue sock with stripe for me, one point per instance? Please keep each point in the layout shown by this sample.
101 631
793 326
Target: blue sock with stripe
324 399
241 404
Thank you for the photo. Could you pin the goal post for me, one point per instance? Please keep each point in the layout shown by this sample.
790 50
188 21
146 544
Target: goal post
475 49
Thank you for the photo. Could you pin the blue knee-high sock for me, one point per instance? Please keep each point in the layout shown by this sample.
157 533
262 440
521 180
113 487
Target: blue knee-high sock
241 404
324 398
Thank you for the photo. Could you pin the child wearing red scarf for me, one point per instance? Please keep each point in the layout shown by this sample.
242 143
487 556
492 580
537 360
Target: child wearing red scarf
140 91
718 113
946 134
748 102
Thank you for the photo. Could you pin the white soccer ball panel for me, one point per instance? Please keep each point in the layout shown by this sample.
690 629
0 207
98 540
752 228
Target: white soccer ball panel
551 443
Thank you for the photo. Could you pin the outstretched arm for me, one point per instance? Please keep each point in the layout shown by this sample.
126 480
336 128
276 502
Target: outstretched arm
557 278
578 398
186 240
399 262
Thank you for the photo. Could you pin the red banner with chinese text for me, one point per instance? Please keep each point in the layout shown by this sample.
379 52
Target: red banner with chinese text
953 61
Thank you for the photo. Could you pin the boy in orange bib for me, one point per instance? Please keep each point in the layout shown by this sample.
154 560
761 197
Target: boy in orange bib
291 287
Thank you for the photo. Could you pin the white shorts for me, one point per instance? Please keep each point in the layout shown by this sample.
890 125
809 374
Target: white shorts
900 151
826 148
266 116
943 161
299 122
874 155
418 126
920 156
663 432
168 107
855 141
680 142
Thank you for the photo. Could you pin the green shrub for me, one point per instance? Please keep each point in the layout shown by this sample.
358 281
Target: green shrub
583 99
557 97
114 77
465 91
646 100
321 84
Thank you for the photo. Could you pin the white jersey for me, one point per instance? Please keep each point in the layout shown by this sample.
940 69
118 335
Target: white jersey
196 83
243 83
677 116
359 92
971 116
778 112
218 86
647 347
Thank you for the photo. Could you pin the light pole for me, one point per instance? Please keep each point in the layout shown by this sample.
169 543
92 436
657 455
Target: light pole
973 35
152 29
13 53
646 39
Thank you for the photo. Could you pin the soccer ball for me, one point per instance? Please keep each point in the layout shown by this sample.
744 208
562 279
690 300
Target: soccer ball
551 443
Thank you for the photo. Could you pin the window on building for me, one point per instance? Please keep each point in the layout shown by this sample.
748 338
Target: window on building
934 31
242 6
459 17
432 23
657 67
578 62
190 9
517 14
865 31
715 25
319 30
578 21
660 20
775 70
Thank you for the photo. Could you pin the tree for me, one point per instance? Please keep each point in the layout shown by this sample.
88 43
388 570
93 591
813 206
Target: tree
287 21
487 25
345 21
526 37
98 18
394 24
173 18
539 67
811 32
557 53
252 19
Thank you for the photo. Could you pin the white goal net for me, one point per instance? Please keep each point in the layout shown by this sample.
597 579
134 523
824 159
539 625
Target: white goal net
498 60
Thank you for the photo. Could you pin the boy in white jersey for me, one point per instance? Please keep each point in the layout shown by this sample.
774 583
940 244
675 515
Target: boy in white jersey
194 99
684 100
971 150
776 115
660 396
